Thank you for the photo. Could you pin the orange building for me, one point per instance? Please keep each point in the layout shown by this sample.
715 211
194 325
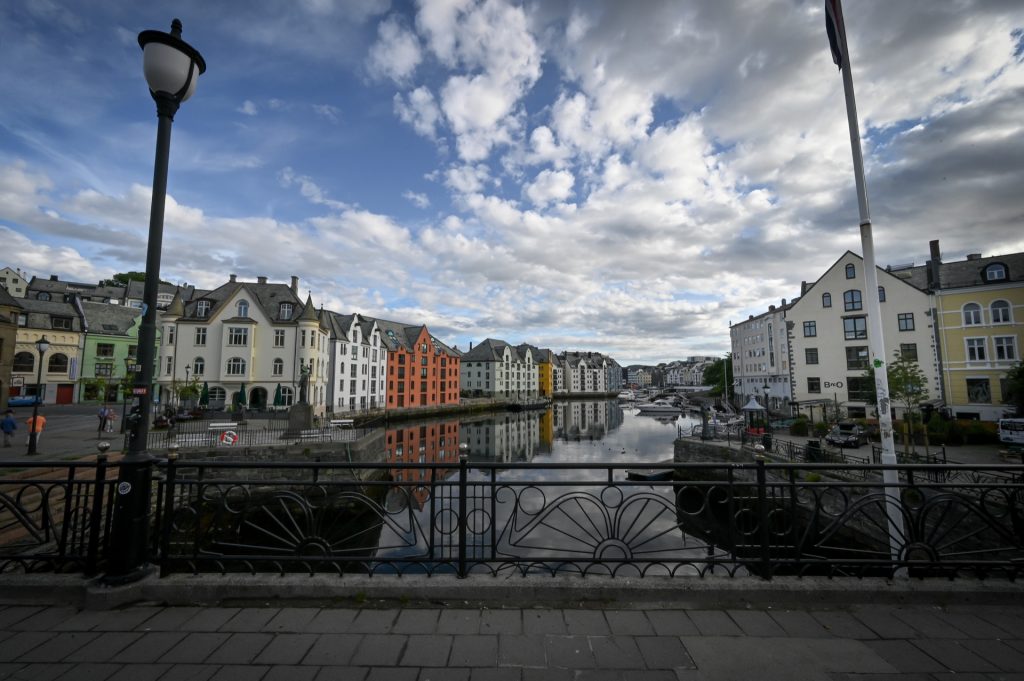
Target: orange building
434 443
422 371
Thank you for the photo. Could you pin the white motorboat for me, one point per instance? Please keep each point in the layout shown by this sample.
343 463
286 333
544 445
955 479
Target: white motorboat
659 407
627 396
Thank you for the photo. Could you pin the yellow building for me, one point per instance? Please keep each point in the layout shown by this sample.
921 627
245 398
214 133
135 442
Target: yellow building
979 313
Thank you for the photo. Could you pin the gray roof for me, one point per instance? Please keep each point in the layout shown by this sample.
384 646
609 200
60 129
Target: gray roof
7 299
964 273
487 350
110 320
40 313
267 296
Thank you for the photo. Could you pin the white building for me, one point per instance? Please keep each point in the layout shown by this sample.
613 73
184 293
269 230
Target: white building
15 281
828 336
496 369
760 357
584 372
358 361
245 339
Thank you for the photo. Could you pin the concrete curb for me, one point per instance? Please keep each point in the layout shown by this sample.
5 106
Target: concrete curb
484 591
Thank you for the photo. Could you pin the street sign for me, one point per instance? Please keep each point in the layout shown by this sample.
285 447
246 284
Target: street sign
135 368
140 391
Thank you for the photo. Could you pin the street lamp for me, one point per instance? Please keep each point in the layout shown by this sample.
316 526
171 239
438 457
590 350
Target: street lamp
172 68
767 414
42 345
188 369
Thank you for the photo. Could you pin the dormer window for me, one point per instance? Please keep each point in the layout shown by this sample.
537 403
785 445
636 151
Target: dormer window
203 309
851 271
285 312
995 272
243 308
42 295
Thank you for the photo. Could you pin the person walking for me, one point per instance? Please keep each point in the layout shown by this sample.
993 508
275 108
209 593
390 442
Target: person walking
35 425
8 426
104 417
111 415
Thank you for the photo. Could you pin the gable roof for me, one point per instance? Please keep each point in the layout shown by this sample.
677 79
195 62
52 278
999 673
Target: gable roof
110 320
267 296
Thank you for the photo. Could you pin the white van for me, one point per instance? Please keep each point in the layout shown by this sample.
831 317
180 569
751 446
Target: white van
1011 431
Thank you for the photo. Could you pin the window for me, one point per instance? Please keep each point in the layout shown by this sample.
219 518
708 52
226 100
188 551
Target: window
104 349
287 395
906 321
851 271
278 338
285 311
278 367
169 336
42 295
104 370
243 308
1006 347
813 384
860 389
354 368
811 355
198 366
238 335
855 328
217 394
810 329
972 314
1001 312
236 366
826 300
203 309
61 323
23 319
169 366
881 294
979 391
857 357
58 364
200 336
995 272
23 362
908 351
975 349
852 301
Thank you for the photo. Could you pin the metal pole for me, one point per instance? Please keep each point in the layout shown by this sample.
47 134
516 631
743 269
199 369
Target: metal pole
33 431
876 342
129 539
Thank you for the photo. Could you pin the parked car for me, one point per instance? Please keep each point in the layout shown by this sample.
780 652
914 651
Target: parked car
847 435
23 400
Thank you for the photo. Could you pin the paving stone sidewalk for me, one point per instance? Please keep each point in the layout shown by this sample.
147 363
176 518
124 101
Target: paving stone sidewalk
863 642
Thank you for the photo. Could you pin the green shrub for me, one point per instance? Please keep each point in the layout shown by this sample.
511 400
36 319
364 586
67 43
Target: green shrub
980 433
821 429
938 430
798 427
954 433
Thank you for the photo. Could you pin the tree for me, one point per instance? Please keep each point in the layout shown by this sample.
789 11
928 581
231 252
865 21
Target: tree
908 387
121 279
713 376
1013 388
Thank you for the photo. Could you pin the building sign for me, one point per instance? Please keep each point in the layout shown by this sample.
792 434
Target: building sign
832 384
17 381
140 391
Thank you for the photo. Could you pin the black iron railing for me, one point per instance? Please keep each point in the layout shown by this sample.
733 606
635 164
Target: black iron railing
55 518
463 518
467 518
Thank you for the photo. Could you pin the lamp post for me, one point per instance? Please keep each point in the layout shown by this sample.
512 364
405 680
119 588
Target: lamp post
188 369
172 68
767 414
42 345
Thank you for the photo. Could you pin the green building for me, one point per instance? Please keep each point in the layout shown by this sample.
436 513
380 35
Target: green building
109 350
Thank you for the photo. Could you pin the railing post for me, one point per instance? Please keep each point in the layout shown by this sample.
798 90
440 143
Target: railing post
96 515
167 516
762 516
463 470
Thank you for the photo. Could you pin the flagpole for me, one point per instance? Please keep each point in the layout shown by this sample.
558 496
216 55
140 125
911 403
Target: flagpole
876 341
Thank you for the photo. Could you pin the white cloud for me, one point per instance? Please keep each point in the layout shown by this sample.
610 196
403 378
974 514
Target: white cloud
396 54
419 109
550 185
309 189
417 199
248 108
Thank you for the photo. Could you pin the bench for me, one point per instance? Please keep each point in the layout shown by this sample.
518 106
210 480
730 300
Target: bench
341 423
222 425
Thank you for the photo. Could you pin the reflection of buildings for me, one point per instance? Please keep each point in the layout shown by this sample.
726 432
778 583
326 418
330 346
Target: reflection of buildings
510 437
585 419
436 442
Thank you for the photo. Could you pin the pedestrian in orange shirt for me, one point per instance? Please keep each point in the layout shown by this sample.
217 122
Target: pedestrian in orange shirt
35 425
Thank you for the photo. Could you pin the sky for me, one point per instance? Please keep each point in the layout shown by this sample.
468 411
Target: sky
622 177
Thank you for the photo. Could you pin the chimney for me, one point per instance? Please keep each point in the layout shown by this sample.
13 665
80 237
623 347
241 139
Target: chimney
470 345
974 256
53 277
261 280
295 285
232 278
771 308
783 302
934 266
803 288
